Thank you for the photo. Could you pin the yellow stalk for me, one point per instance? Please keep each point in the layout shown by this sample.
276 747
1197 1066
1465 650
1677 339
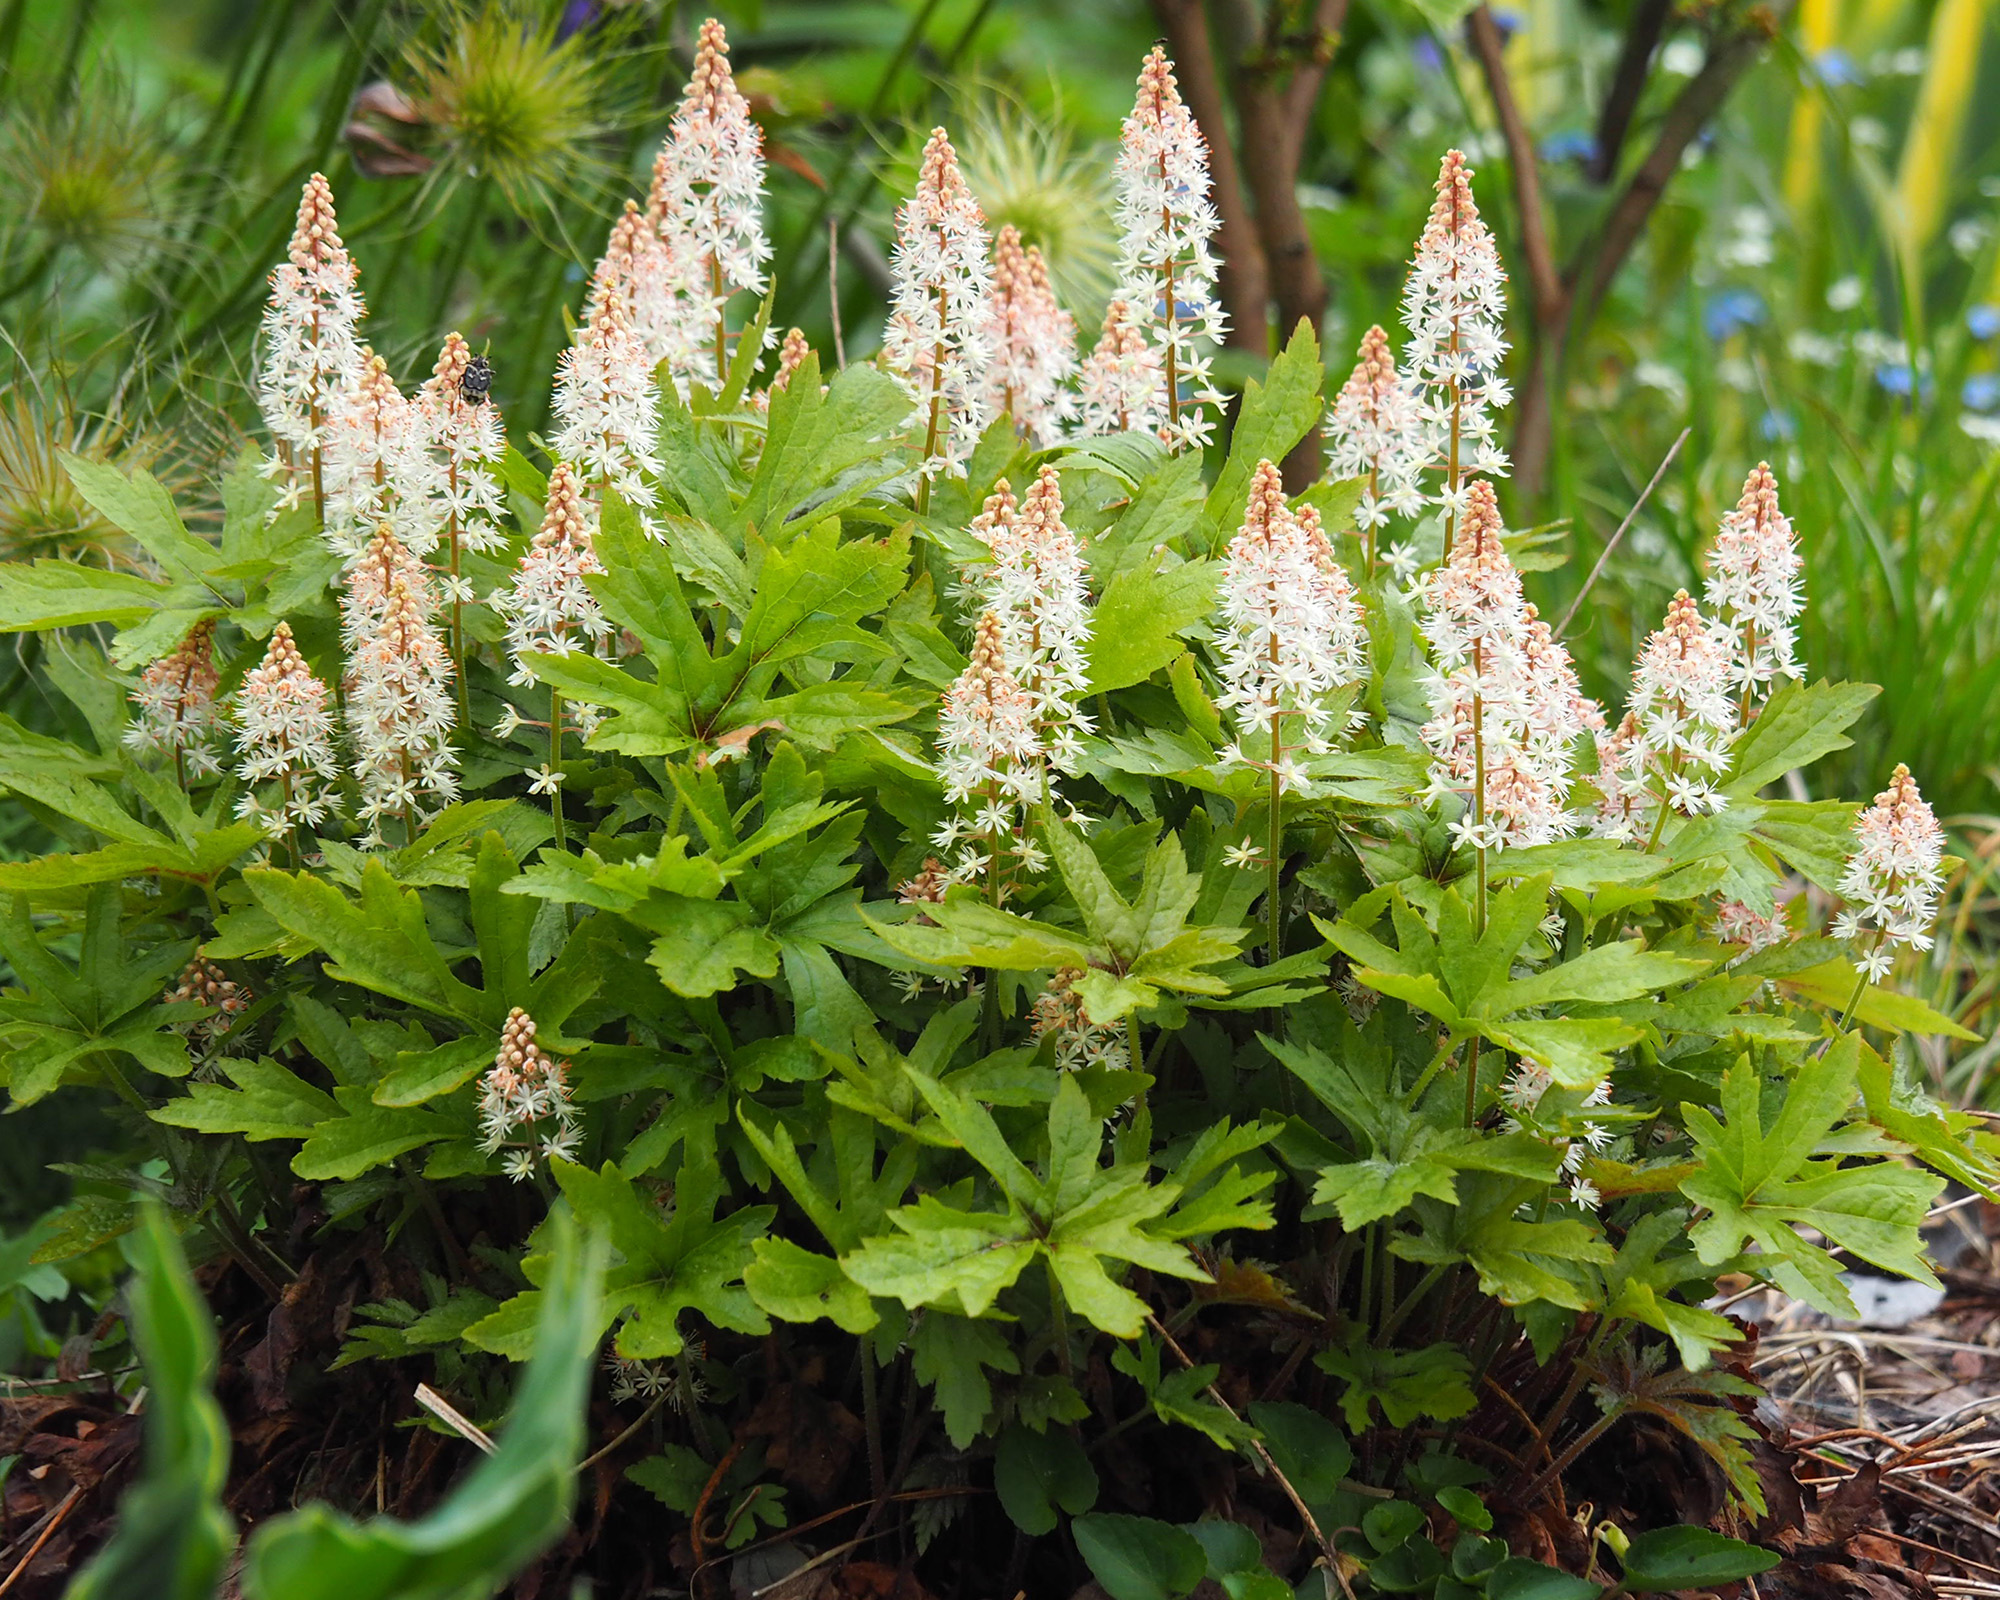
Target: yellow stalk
1819 25
1931 147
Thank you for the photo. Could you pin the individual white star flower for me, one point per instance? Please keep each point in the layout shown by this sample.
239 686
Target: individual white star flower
1166 269
1244 855
937 343
1582 1192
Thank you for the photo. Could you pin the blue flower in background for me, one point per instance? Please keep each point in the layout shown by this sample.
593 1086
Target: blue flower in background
1425 53
1981 392
1983 322
1776 426
1572 144
1897 378
1836 67
1508 22
1730 310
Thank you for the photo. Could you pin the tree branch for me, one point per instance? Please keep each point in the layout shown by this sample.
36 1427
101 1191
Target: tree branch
1691 111
1628 83
1243 279
1551 294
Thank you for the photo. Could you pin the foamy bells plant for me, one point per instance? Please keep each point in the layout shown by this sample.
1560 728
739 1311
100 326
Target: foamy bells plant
989 949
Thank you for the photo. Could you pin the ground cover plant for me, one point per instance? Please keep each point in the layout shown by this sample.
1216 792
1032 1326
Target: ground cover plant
1100 1021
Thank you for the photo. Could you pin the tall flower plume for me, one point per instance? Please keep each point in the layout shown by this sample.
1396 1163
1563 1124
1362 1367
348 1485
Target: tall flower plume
549 609
1119 388
311 350
399 705
284 735
1377 431
707 200
936 342
1291 634
175 705
606 404
525 1107
1894 877
1454 306
990 759
1505 706
1753 588
1165 267
1033 340
1682 714
1039 589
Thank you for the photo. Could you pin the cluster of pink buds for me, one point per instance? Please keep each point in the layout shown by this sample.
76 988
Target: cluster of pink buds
524 1102
1079 1042
791 356
1033 341
284 735
936 342
203 983
1291 634
1166 269
1753 588
1895 875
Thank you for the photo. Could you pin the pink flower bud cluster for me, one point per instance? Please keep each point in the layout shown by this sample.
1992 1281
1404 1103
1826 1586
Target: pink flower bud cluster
936 343
284 735
525 1105
174 705
1038 588
1506 708
1454 306
1754 574
1033 341
1166 269
1290 634
1895 875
